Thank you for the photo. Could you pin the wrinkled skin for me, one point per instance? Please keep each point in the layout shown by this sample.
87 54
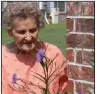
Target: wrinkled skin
25 33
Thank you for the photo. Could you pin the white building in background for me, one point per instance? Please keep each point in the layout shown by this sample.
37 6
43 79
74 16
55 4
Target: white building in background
54 4
54 9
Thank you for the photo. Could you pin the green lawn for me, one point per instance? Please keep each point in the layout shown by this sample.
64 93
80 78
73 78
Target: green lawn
53 33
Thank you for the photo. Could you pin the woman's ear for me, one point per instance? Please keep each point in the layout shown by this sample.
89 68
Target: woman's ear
10 32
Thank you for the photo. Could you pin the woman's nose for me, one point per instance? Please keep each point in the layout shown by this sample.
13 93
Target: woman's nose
28 36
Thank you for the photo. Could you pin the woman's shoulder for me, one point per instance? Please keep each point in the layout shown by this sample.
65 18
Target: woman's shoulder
8 48
52 49
4 49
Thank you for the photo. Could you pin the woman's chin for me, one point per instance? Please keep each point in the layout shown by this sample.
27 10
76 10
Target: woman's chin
27 49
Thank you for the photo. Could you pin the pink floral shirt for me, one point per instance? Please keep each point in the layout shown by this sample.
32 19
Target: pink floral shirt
24 65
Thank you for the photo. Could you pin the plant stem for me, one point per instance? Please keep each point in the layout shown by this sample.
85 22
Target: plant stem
47 80
47 89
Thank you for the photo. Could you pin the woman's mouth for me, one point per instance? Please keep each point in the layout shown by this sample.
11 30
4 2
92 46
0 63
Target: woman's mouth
27 43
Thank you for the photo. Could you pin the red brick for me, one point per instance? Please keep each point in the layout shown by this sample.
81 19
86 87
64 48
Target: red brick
87 73
70 55
85 57
84 41
84 88
70 40
69 24
91 10
85 25
80 8
70 87
80 41
88 57
81 73
79 58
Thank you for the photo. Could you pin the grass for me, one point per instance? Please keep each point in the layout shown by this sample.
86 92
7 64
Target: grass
53 33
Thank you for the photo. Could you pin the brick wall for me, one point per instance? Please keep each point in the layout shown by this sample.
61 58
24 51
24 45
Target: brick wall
80 47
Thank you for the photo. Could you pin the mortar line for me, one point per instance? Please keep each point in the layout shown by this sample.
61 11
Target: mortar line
79 65
73 32
80 49
82 81
81 17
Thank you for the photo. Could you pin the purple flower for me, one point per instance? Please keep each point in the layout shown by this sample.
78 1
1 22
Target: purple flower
40 55
80 92
14 78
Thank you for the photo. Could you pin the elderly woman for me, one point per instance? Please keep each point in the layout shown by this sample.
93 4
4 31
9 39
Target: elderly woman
21 71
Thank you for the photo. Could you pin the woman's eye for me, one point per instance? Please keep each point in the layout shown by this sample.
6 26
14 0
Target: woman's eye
21 31
32 30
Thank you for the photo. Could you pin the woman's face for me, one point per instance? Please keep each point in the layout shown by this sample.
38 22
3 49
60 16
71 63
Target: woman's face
25 33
